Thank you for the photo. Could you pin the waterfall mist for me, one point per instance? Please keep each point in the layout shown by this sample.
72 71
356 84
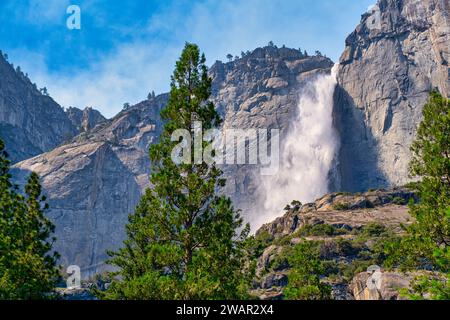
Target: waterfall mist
307 153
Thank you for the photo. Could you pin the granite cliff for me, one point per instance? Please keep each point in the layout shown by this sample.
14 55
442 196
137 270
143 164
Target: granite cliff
84 120
95 181
31 122
394 58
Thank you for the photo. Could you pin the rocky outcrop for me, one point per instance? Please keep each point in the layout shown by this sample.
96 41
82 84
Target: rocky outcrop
83 293
388 286
266 258
398 53
30 122
346 234
344 210
95 181
84 120
391 284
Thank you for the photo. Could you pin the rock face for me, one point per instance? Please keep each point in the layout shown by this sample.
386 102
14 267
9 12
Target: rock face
84 120
388 288
398 53
30 122
260 91
95 181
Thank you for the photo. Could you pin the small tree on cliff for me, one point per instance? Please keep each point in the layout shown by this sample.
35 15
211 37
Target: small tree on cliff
428 238
27 266
182 240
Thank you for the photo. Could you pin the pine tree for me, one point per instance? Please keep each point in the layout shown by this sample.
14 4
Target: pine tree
151 95
182 240
27 266
304 277
426 245
431 162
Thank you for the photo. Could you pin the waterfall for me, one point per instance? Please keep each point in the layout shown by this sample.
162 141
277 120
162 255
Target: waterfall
307 152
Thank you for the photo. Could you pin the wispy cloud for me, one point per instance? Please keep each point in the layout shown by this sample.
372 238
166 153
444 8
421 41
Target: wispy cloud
131 68
38 12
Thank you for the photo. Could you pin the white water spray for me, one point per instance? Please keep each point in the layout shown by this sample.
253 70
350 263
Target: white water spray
307 155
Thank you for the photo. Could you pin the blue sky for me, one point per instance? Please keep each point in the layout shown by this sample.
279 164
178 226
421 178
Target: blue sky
127 48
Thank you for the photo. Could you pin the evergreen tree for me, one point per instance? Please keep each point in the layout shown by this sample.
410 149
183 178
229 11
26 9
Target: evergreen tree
431 162
27 266
426 244
44 91
182 240
304 277
151 95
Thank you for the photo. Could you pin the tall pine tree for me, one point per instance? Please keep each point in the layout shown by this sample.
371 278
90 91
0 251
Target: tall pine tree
27 264
183 240
426 245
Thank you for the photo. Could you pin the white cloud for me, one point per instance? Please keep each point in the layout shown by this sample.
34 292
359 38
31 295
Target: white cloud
131 70
127 75
38 12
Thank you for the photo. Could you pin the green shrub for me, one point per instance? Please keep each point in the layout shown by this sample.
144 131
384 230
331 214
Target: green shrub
320 230
373 229
399 201
281 260
346 247
258 243
411 185
341 206
304 278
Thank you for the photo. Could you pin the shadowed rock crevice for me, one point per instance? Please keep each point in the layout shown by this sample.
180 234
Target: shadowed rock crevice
357 165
